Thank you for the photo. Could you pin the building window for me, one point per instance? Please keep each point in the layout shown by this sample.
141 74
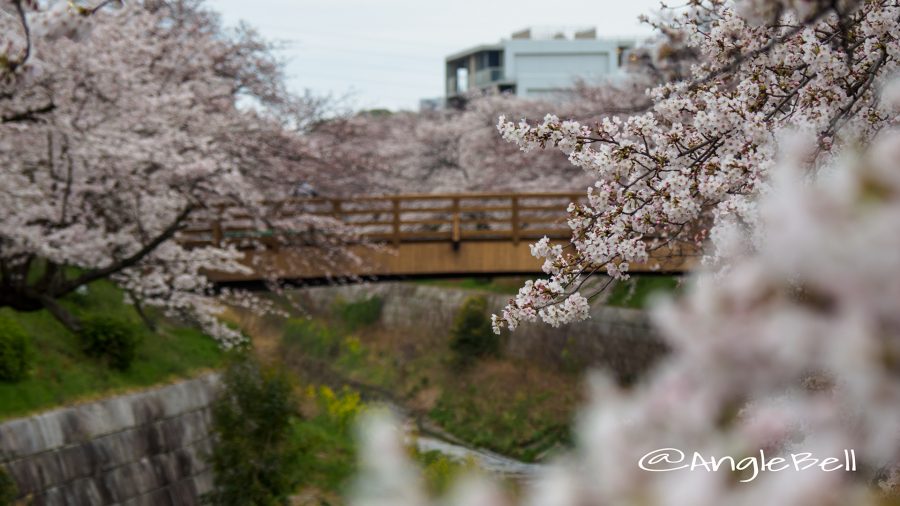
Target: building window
487 59
494 58
462 79
620 54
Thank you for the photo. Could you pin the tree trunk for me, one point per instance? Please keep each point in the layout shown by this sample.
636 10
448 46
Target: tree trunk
19 301
148 322
61 314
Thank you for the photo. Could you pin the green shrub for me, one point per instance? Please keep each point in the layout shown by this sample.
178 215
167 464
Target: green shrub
327 456
311 338
111 339
255 457
359 313
15 353
471 334
8 489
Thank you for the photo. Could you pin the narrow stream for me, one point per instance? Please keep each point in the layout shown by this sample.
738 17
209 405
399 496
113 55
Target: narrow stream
487 460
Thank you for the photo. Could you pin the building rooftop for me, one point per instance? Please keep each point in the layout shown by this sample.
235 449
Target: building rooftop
475 49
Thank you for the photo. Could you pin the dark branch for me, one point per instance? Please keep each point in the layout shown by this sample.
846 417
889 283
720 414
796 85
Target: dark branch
28 115
126 262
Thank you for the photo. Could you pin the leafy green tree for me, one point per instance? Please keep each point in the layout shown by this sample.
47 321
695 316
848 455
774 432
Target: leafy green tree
254 457
471 334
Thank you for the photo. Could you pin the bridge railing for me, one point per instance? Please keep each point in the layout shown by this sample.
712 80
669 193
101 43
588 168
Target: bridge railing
409 218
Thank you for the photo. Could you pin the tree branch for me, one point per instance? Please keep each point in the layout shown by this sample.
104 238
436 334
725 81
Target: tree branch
126 262
28 115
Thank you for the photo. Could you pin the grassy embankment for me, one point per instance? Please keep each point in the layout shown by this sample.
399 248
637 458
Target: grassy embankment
60 373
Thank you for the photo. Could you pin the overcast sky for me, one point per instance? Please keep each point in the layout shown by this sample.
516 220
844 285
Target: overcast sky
390 53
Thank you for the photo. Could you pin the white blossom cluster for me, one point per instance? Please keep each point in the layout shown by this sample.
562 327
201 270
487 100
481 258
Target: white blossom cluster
24 26
689 172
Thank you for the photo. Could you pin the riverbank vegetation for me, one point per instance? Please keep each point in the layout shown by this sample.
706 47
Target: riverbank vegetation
510 406
281 439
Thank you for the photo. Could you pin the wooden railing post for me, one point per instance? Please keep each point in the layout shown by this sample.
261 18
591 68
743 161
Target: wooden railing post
515 220
456 233
217 233
395 206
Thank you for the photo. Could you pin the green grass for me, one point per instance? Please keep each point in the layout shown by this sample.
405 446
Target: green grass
501 285
327 439
359 313
639 291
328 459
313 337
61 373
521 427
326 436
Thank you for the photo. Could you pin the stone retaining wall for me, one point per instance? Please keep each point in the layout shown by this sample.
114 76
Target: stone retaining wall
620 339
145 448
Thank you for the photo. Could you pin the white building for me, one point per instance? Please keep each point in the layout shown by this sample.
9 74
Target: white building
535 64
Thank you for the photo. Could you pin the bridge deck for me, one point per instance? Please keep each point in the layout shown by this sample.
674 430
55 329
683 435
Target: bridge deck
480 233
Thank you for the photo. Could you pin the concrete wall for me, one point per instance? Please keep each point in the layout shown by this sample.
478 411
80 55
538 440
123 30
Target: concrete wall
145 448
546 67
618 339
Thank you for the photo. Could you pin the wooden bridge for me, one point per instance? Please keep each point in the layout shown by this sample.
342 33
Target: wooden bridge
412 235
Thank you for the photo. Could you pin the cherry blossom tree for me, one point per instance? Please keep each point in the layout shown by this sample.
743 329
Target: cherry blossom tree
688 171
457 150
113 145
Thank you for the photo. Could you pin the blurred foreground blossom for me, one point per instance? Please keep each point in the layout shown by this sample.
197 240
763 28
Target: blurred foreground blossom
794 348
387 476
